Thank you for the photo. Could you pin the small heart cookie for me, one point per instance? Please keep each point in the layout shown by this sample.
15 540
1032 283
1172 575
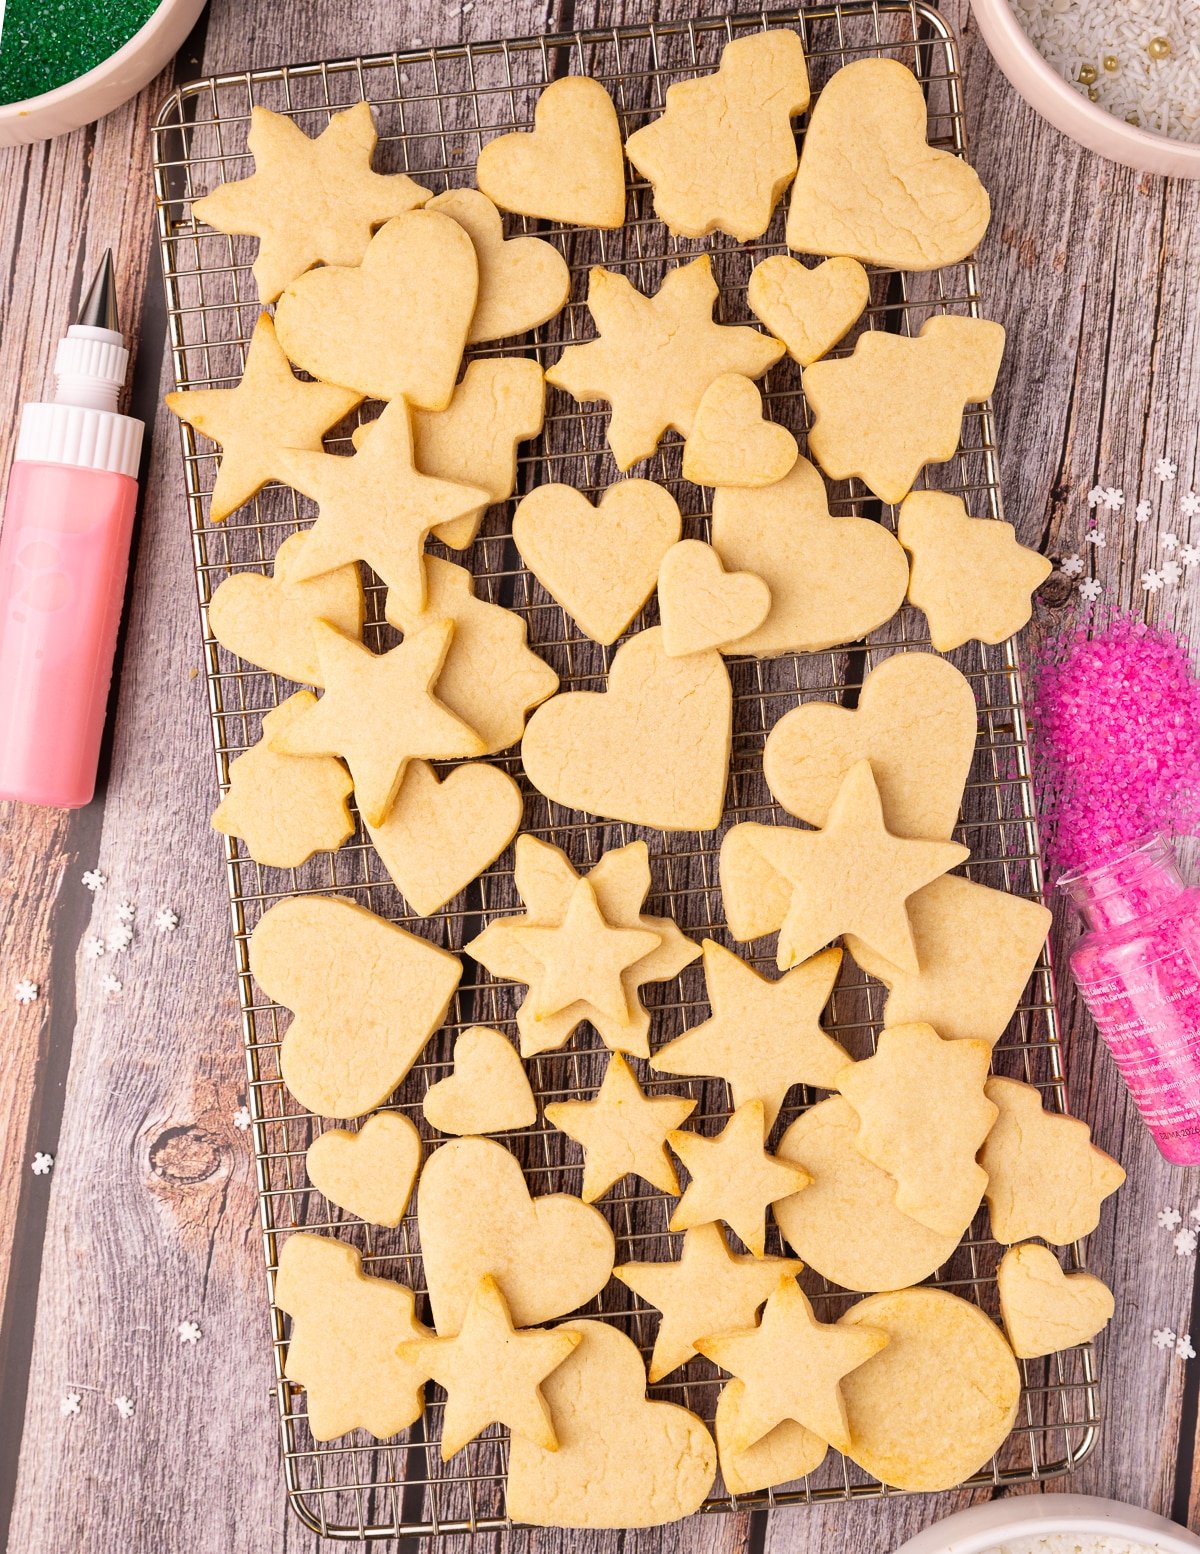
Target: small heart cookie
369 1173
786 1453
809 310
731 442
600 563
702 605
571 168
522 282
488 1090
1045 1309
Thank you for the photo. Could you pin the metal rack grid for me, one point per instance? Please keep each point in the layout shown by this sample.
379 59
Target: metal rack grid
435 107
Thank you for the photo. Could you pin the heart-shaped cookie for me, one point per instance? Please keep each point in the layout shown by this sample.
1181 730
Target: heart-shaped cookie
369 1173
915 722
475 1217
488 1090
601 562
1045 1309
366 997
395 326
832 579
784 1454
439 836
522 282
871 187
623 1460
731 442
570 168
703 606
653 749
268 620
809 310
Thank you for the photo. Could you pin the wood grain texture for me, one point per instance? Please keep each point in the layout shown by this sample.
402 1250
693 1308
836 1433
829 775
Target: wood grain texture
149 1217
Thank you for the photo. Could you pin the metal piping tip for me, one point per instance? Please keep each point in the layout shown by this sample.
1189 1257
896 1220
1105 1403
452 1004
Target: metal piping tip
98 310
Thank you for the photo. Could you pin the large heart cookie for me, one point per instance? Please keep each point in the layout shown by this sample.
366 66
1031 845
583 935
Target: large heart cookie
871 187
702 605
522 282
365 995
809 310
570 168
653 749
601 562
475 1217
1045 1309
395 326
832 579
623 1460
731 442
369 1173
915 722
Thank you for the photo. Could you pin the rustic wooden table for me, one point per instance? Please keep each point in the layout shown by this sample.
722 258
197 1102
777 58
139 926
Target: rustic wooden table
149 1217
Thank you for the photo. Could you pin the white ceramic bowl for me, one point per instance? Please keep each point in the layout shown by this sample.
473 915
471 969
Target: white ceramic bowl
114 81
1068 108
982 1527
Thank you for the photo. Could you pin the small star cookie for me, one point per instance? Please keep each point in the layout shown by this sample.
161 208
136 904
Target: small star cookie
809 310
369 1173
522 282
731 442
1045 1309
487 1091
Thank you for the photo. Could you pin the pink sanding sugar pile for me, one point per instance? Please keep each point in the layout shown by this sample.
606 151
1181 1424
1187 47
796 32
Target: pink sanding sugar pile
1116 741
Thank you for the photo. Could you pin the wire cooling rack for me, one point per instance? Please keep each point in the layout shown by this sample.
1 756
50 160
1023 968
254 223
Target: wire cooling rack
435 108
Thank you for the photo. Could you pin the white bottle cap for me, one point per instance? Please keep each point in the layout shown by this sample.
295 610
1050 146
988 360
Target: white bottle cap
90 367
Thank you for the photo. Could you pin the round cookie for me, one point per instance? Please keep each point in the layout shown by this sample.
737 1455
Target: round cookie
845 1224
933 1406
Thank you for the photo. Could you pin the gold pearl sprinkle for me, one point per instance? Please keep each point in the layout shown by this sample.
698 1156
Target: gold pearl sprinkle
1159 48
1087 74
1132 118
1111 63
1093 94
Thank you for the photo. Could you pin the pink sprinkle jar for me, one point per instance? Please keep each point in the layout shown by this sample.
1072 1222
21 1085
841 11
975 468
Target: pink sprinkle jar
1138 968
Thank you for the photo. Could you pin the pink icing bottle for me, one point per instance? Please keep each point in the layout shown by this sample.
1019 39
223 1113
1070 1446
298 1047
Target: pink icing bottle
64 553
1138 968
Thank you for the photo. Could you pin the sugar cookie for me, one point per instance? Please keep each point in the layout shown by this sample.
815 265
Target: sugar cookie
379 712
832 580
922 1117
570 168
600 563
486 1092
845 1224
895 404
1045 1176
724 150
870 186
623 1460
703 606
393 326
622 1131
733 1178
969 576
731 442
931 1408
809 310
522 282
1045 1309
346 1327
267 410
369 1173
286 807
546 881
762 1037
755 895
708 1290
365 996
286 202
916 723
475 1216
654 356
791 1367
492 1372
786 1453
652 749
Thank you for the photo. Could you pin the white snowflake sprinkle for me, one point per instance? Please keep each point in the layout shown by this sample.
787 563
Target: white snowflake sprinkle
94 880
165 920
189 1333
1163 1338
42 1163
1169 570
1169 541
1114 498
1169 1218
120 938
1189 555
123 1406
1185 1242
1095 496
25 991
1071 566
125 911
109 983
1190 505
1094 537
1090 589
1166 469
1152 581
69 1405
94 946
1142 511
1183 1347
242 1118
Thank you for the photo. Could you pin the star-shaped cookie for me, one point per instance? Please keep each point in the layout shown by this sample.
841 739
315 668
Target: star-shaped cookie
622 1130
308 201
791 1367
492 1372
708 1290
762 1037
375 507
852 876
655 356
268 411
734 1178
379 712
546 880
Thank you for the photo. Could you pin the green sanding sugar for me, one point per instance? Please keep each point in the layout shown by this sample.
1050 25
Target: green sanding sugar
46 43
